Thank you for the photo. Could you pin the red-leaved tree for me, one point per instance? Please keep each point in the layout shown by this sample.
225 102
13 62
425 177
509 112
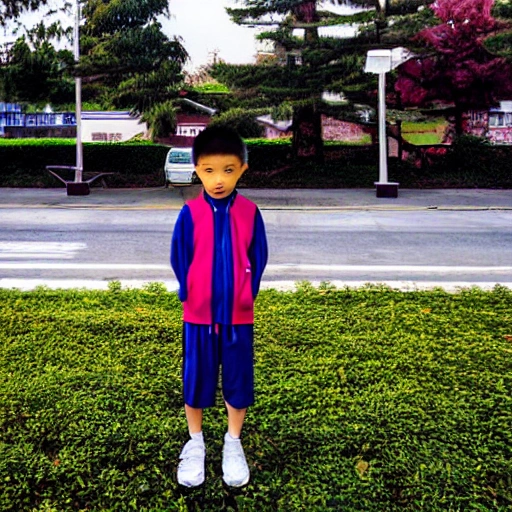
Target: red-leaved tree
457 68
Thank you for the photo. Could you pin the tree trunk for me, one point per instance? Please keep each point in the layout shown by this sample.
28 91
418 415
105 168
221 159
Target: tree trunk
307 134
306 12
458 118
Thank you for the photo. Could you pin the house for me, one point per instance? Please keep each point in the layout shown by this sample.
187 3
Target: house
96 126
16 124
494 124
332 129
275 129
189 125
192 118
115 126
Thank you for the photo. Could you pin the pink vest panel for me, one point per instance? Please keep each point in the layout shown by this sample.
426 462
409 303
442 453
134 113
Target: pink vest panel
197 308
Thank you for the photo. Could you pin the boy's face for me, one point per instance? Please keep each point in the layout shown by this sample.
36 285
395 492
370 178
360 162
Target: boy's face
219 174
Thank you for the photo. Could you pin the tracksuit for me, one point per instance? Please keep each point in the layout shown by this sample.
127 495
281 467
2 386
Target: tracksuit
218 253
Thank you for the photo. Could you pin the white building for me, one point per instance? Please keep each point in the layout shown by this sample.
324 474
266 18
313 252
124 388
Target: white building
111 126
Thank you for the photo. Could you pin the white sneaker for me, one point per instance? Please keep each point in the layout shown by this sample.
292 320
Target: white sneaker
191 466
234 466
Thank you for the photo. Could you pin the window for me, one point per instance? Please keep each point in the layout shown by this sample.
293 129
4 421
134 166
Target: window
497 119
180 157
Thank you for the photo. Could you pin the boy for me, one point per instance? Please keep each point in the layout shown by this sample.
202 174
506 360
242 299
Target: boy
218 253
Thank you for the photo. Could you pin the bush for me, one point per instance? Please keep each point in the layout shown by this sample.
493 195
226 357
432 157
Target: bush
242 120
469 163
366 400
135 165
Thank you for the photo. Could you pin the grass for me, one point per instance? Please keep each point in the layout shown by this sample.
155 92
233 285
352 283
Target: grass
366 400
427 132
422 138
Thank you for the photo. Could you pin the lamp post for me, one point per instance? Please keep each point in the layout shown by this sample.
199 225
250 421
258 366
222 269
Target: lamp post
381 62
78 95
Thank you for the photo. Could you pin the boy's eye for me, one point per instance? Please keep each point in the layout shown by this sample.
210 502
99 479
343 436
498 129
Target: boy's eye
229 171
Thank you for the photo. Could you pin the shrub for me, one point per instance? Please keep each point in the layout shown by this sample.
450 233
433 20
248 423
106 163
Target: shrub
366 400
23 164
242 120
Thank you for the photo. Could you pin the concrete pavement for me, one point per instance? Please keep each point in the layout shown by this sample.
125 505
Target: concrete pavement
267 199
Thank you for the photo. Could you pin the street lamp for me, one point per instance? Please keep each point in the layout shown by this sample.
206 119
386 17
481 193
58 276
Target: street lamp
381 62
78 94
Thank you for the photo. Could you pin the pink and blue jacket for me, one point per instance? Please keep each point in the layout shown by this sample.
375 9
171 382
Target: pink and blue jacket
218 253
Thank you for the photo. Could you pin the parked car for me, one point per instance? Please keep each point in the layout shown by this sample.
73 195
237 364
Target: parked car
179 167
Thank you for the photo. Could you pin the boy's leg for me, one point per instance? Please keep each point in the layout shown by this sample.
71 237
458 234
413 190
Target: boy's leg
236 419
200 374
194 419
238 389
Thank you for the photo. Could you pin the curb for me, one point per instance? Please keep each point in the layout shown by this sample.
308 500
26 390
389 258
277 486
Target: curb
13 206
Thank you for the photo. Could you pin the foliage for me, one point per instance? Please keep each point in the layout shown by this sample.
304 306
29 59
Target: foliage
242 120
461 70
134 164
467 164
366 400
38 75
305 67
208 88
162 120
12 9
124 49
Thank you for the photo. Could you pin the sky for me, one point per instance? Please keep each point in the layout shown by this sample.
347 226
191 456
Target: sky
204 27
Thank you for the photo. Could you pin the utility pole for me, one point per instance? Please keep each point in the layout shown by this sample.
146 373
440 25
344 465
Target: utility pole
78 93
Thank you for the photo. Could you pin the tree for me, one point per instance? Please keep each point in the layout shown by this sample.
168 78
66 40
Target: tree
39 75
241 120
11 9
125 51
161 119
307 66
457 67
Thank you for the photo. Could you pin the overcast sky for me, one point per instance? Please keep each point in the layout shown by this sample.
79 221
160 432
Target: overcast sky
205 27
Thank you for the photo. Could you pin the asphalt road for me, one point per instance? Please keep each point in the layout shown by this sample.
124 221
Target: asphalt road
414 248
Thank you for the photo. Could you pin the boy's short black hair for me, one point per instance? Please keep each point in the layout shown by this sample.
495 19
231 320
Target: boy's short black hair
219 140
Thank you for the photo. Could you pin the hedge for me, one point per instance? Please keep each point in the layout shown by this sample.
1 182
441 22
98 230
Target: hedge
467 164
368 399
135 165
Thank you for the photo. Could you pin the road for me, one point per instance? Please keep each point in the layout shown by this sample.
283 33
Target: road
423 247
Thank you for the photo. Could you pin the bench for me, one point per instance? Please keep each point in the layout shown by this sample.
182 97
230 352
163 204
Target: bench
81 188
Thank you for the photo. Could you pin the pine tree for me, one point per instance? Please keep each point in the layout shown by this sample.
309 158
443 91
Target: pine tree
306 67
126 57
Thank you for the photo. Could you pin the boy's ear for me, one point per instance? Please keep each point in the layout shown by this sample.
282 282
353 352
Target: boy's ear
244 168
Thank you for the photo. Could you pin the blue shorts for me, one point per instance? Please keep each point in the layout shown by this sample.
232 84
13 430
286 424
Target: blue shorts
205 348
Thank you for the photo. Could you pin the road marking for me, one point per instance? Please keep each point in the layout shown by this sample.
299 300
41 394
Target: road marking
40 250
423 269
172 285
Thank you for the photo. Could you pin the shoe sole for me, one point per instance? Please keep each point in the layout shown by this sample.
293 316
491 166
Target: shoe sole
245 482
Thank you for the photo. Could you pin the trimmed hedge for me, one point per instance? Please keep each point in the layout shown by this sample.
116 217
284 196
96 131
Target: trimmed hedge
135 165
467 164
366 400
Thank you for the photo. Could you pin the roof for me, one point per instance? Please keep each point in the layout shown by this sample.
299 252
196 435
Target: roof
200 106
195 119
282 126
124 115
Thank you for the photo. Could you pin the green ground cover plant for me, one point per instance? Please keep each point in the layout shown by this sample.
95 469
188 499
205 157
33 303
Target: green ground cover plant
367 400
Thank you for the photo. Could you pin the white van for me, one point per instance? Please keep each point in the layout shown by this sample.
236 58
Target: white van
179 167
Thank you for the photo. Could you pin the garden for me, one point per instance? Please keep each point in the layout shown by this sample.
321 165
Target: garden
367 400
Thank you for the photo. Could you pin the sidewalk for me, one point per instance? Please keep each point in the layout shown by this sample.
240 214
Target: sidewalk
267 199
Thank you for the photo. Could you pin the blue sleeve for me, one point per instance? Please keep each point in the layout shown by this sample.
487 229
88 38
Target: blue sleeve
258 253
182 249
